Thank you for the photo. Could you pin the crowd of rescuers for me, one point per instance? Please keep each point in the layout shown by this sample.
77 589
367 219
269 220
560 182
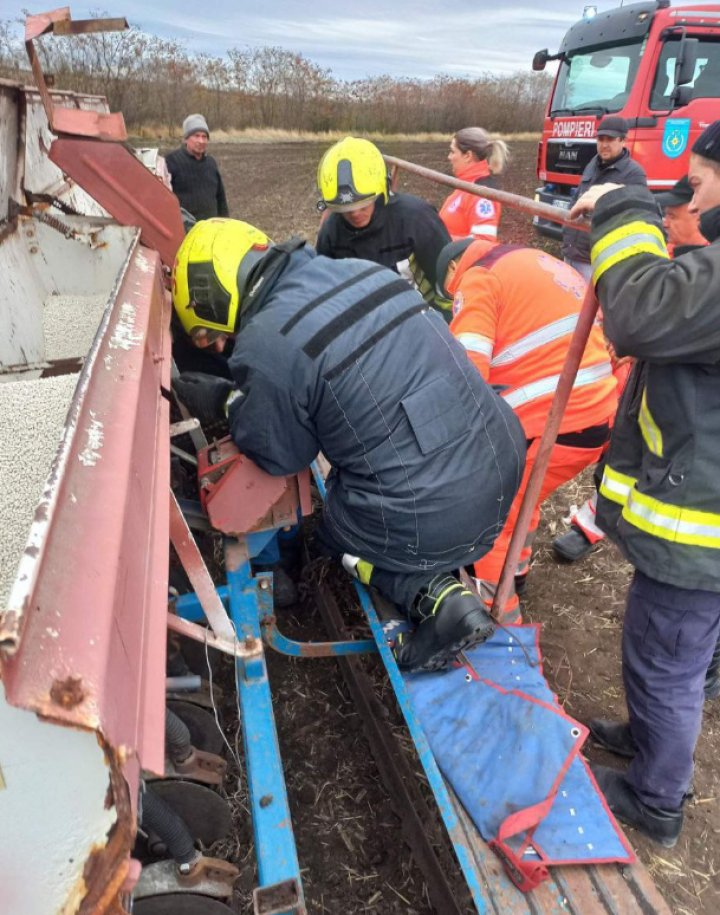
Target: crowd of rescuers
430 427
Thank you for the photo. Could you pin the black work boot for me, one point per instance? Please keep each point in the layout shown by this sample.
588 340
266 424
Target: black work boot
614 736
662 826
712 677
572 546
449 619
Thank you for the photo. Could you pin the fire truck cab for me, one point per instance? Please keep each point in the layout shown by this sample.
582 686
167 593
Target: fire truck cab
656 66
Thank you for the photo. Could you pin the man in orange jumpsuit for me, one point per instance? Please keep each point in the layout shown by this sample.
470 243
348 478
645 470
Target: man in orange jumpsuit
514 310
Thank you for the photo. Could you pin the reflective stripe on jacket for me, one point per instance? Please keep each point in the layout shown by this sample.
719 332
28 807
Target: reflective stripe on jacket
659 496
464 214
515 313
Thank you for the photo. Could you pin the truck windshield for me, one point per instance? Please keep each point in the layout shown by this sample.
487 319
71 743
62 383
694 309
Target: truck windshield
705 82
597 80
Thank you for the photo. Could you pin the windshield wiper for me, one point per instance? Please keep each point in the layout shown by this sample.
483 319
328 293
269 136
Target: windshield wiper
601 109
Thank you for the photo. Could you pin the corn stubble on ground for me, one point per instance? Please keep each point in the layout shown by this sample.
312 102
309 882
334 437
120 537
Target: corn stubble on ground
32 417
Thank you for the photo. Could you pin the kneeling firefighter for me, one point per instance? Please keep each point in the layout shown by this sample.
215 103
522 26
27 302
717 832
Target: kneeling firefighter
344 357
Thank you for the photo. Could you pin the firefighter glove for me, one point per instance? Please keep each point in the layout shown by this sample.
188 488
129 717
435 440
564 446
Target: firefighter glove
205 396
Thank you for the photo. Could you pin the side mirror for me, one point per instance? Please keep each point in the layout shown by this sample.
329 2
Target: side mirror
680 96
540 59
686 60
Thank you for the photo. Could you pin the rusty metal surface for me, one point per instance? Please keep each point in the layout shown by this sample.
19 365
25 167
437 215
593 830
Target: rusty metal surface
86 123
125 188
87 613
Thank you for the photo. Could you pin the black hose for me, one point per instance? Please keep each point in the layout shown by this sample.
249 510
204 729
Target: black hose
177 738
159 817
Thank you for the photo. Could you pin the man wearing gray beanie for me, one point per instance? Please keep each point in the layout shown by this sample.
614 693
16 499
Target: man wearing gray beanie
196 179
659 493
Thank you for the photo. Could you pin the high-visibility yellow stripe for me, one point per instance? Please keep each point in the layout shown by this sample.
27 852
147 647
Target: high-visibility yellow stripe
616 486
650 430
672 522
626 241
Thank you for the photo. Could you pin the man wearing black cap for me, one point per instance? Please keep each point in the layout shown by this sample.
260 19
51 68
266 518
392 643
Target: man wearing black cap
659 496
681 223
611 164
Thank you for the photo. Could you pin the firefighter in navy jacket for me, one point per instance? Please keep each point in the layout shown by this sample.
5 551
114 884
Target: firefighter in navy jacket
344 357
659 495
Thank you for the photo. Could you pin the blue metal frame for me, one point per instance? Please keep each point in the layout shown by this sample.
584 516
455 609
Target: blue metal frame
188 607
275 849
435 779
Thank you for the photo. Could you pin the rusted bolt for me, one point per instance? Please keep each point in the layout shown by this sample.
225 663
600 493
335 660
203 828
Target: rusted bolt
33 249
67 693
249 643
266 800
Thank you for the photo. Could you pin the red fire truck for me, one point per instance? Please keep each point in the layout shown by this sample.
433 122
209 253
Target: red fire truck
656 66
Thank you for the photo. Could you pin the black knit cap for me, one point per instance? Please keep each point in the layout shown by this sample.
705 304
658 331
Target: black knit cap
707 144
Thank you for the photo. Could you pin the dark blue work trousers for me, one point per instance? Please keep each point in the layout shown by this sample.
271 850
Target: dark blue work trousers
668 640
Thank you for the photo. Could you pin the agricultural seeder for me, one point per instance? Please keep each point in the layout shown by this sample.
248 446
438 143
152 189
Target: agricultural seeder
108 766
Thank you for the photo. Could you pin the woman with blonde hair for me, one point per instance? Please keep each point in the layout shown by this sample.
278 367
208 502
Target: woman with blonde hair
477 157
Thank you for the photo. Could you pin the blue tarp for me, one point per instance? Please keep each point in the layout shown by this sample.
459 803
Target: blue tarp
512 756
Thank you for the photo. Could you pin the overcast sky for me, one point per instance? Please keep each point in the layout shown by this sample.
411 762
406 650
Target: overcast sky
404 38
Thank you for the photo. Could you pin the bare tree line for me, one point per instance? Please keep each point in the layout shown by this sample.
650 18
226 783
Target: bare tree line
155 82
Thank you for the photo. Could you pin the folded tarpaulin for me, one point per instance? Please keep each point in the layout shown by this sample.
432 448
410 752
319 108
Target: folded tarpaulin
512 756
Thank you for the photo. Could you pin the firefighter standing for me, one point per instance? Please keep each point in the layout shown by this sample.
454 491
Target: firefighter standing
345 357
474 156
515 310
683 234
659 497
365 220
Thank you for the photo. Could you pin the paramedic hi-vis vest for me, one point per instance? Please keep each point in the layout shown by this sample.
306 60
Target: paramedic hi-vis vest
515 310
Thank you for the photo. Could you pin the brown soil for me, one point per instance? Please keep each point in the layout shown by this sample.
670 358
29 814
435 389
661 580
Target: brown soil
349 841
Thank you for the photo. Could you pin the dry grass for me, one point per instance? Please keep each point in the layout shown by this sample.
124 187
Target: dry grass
160 133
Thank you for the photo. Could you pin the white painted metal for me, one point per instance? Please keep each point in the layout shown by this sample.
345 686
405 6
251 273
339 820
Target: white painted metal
53 786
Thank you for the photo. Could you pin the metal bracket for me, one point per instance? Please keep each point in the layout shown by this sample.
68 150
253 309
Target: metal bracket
73 121
200 766
279 899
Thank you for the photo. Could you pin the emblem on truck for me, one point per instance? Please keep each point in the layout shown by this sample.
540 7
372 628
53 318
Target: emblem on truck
675 137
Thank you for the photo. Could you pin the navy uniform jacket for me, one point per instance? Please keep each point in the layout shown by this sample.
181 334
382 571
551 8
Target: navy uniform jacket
344 357
405 234
660 489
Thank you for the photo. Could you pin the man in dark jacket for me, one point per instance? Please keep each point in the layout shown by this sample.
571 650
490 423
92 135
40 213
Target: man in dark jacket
196 180
611 164
659 496
399 231
344 357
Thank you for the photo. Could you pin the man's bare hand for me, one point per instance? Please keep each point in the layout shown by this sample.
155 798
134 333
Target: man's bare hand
585 205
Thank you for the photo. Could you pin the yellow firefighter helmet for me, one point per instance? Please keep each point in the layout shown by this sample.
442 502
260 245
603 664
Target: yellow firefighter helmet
211 272
351 174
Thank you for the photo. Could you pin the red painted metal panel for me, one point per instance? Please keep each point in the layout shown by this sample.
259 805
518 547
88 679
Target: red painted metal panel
125 188
92 646
240 497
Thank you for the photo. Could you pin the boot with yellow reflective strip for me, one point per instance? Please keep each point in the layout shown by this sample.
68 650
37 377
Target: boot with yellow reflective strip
450 619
